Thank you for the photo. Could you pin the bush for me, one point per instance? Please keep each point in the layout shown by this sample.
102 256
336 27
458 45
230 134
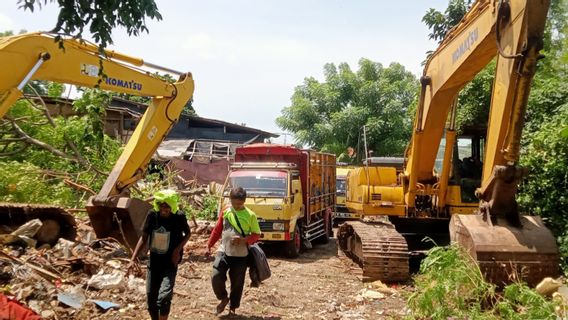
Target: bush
24 182
451 285
210 207
544 192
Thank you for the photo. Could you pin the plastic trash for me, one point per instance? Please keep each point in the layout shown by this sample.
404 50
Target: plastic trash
30 242
28 229
74 300
106 281
105 305
65 247
73 297
136 284
548 286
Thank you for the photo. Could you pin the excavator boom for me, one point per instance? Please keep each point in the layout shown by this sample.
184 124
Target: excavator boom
37 56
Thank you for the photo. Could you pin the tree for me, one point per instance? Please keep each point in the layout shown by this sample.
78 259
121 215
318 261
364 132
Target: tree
100 17
43 158
440 23
475 98
329 115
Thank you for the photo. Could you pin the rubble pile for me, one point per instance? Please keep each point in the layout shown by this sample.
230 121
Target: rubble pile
83 278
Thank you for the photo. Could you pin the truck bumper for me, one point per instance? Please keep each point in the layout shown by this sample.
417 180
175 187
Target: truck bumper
275 236
346 215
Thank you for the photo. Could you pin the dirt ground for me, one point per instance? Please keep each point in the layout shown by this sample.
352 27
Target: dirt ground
316 285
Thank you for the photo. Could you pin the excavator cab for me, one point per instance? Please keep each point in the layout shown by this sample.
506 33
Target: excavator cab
467 163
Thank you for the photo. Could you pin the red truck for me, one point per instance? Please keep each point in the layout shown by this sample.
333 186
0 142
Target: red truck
291 190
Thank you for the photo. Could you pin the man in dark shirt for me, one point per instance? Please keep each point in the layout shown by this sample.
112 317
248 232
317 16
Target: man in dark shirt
166 232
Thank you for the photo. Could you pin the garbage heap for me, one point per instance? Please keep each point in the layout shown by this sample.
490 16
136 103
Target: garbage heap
74 278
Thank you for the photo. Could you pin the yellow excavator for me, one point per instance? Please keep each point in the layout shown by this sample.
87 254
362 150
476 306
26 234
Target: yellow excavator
460 188
38 56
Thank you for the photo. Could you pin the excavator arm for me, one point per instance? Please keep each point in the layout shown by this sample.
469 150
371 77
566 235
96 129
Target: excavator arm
37 56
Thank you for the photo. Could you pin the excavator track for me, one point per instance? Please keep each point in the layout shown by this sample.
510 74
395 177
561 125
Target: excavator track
380 251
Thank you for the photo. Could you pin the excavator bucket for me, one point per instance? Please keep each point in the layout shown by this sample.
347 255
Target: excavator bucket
506 253
56 222
121 218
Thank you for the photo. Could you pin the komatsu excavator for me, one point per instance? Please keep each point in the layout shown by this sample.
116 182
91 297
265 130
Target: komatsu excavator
460 188
38 56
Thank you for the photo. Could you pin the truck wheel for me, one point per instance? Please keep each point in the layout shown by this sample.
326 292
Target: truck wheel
292 247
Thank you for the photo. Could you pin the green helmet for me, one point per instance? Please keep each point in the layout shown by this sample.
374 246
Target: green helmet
168 196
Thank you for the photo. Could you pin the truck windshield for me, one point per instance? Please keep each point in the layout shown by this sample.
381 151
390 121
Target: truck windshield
340 183
260 183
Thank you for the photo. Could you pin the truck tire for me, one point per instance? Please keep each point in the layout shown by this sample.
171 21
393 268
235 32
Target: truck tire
292 247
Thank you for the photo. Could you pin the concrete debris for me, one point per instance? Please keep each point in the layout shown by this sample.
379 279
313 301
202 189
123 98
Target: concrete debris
366 294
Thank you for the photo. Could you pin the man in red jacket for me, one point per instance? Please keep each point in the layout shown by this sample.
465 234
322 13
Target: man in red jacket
237 227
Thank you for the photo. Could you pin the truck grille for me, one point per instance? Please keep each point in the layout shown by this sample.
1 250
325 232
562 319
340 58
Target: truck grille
265 225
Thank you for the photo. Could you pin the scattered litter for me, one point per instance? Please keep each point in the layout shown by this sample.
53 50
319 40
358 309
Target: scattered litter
137 284
382 288
104 281
105 305
72 300
366 294
548 286
28 229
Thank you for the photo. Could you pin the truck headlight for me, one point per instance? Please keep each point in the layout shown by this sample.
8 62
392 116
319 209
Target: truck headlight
278 226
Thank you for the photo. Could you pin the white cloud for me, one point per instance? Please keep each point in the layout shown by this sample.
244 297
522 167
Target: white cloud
6 23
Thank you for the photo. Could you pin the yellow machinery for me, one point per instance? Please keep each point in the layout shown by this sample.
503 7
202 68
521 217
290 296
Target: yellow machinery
37 56
341 212
444 174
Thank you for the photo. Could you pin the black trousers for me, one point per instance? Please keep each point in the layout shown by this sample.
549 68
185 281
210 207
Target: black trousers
237 268
160 290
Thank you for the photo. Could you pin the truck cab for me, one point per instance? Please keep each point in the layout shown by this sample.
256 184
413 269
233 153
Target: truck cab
291 190
274 193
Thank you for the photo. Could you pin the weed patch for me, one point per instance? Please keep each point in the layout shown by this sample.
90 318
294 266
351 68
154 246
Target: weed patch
451 285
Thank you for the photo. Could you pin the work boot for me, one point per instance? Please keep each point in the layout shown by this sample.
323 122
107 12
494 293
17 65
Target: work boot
221 306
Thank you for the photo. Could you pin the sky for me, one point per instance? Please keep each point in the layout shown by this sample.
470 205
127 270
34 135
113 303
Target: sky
246 56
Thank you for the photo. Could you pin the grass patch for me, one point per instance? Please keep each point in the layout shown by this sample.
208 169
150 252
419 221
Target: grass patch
451 285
